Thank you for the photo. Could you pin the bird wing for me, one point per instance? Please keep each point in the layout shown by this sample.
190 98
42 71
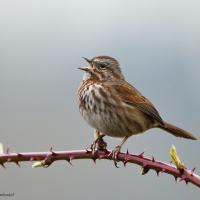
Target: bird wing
132 97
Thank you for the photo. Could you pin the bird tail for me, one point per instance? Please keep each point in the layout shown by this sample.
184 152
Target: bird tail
178 132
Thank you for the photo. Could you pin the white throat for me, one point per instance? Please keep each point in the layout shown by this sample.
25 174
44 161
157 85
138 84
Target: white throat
86 76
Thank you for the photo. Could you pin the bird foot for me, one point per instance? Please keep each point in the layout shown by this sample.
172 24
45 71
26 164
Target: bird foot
98 144
114 154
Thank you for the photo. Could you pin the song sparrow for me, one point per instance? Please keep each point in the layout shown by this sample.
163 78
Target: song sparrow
114 107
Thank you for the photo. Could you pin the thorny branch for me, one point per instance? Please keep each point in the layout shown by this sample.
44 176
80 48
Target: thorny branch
47 158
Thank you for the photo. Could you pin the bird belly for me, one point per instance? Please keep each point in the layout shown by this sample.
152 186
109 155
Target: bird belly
112 118
114 125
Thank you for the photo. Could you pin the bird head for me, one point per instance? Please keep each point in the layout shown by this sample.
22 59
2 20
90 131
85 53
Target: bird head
103 68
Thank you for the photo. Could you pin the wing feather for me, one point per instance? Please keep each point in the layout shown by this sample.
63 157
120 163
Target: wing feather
132 97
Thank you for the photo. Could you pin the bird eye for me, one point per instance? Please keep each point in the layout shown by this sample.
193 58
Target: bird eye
102 66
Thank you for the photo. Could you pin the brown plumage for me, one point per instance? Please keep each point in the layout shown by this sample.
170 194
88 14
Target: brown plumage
114 107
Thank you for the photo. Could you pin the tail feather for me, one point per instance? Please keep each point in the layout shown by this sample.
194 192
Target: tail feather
178 132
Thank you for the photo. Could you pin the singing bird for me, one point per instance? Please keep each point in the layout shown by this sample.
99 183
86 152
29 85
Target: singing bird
114 107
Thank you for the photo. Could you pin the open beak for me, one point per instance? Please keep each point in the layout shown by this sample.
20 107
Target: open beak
84 69
88 60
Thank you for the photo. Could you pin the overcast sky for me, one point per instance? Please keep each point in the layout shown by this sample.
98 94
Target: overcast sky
41 45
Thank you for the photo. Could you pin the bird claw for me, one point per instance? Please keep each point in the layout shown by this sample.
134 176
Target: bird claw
114 155
98 144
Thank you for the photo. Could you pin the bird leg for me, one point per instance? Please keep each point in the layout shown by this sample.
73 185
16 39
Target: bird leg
116 151
99 143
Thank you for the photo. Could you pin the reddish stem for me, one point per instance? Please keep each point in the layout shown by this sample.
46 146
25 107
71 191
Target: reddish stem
146 163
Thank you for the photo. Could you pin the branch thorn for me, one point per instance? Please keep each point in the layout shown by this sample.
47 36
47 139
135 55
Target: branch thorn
94 159
52 152
68 160
145 170
176 178
8 150
126 159
158 172
2 164
127 153
192 171
17 163
141 155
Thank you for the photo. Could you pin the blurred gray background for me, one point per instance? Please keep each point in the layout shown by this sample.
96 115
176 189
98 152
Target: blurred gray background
41 45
